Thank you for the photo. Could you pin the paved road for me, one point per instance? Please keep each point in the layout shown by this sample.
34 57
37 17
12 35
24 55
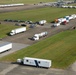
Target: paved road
14 69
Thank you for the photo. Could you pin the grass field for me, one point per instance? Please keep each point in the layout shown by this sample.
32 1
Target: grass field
48 13
60 48
23 1
5 29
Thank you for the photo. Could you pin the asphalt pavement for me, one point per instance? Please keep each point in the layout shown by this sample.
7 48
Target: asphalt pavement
15 47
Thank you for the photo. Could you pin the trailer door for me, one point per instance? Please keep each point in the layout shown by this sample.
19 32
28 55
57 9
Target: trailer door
36 63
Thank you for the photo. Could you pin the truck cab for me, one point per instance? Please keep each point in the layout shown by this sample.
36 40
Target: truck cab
35 37
12 32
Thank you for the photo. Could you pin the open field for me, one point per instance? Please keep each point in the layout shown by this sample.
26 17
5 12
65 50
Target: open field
48 13
5 29
23 1
60 48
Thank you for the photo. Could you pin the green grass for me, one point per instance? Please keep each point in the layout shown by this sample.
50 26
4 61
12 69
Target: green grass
5 29
23 1
60 48
47 13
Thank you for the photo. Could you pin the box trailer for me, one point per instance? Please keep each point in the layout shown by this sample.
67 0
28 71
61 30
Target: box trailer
18 30
35 62
38 36
5 47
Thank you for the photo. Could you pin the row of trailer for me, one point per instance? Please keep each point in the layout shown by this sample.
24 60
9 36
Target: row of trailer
68 6
23 29
64 20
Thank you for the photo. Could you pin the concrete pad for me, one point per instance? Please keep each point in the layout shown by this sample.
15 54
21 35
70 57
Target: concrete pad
15 47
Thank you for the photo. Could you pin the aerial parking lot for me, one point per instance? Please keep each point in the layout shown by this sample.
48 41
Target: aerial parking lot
58 45
24 38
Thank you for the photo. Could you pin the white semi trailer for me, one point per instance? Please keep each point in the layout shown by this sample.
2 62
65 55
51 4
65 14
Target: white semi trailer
18 30
5 47
38 36
35 62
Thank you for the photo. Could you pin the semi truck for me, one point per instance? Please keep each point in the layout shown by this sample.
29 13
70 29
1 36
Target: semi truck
5 47
18 30
38 36
61 21
35 62
64 20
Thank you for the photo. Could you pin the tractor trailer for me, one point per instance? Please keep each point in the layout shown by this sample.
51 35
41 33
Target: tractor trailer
38 36
35 62
5 47
18 30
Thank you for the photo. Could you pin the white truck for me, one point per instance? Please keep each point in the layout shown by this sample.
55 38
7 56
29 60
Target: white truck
42 22
56 24
38 36
35 62
18 30
5 47
60 21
